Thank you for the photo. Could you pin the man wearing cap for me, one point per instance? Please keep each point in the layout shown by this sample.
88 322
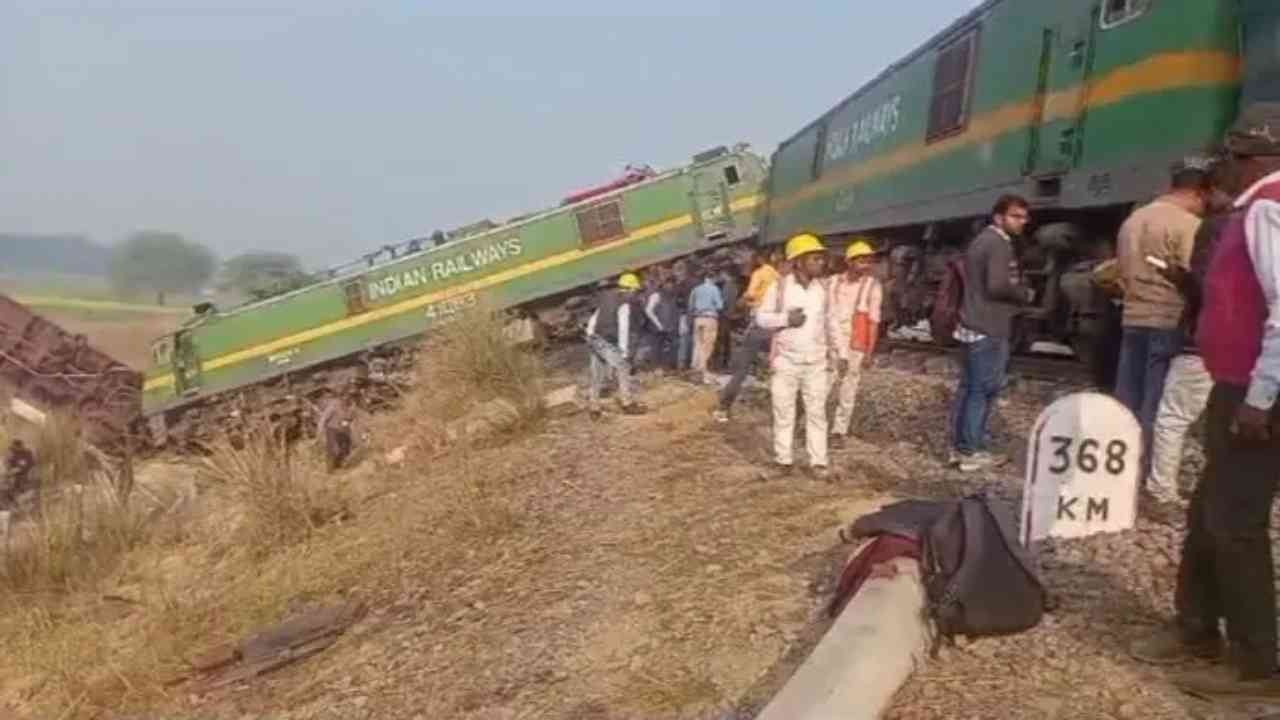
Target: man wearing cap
608 338
854 306
796 306
1226 566
1156 236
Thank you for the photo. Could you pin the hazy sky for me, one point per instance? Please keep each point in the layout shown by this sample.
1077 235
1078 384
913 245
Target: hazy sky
327 130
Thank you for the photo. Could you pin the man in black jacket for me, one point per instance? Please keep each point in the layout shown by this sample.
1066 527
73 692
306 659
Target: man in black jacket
993 295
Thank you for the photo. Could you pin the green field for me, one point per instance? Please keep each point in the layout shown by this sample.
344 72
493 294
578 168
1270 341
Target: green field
88 294
98 307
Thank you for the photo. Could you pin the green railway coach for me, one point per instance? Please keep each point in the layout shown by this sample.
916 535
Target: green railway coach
1080 106
1072 103
709 203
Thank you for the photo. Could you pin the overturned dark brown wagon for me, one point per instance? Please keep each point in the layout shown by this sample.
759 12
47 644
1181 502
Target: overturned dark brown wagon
53 370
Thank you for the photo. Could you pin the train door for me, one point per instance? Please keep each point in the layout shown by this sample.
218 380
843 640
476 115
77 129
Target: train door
1066 59
709 200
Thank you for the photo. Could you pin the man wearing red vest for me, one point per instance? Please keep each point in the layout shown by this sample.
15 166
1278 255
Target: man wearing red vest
1226 568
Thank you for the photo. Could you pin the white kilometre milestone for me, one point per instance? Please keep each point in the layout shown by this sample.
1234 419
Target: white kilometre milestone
1082 473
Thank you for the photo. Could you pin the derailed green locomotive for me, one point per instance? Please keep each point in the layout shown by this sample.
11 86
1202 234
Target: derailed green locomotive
529 263
1081 107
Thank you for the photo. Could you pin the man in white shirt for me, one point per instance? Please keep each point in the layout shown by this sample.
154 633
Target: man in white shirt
854 316
796 306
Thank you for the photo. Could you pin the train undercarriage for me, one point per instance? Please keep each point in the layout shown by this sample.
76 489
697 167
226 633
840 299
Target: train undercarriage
1071 316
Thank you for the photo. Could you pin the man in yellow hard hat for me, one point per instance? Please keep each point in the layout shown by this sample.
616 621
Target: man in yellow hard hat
854 302
608 339
796 306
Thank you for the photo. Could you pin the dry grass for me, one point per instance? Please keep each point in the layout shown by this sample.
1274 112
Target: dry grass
633 566
266 542
284 492
470 360
471 384
79 528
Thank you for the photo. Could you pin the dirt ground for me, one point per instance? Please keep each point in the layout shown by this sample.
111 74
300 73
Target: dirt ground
632 567
125 336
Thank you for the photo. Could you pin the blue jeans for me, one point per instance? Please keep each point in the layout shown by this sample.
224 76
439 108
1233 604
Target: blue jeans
983 366
1145 354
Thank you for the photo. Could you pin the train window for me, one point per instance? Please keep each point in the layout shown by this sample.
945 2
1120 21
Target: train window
731 175
355 297
601 223
1119 12
952 80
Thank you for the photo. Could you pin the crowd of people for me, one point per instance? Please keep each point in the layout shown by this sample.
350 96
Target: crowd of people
1197 279
815 321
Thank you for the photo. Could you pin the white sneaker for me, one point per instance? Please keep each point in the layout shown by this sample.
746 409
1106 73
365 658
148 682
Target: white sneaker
980 461
720 416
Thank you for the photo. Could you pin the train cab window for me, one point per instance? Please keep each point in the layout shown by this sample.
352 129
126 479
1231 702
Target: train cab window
162 351
731 176
601 223
355 297
1119 12
952 81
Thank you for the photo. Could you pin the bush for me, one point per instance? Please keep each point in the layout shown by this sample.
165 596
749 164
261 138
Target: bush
470 360
285 492
79 528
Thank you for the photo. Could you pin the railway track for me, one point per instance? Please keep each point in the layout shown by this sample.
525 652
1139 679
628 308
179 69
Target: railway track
1044 368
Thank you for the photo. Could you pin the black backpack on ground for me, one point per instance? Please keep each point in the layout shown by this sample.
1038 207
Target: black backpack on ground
978 579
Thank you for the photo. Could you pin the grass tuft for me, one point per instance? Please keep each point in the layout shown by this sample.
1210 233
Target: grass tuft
76 529
284 492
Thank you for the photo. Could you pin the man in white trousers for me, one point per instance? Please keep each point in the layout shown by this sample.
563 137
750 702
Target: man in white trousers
1187 386
796 306
853 312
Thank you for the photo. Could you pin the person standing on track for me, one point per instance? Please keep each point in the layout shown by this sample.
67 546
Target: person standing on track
796 307
756 340
663 318
1156 236
855 302
1187 386
730 290
1226 569
608 338
992 298
705 305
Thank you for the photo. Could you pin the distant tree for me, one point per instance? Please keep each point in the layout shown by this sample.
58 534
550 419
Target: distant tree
161 262
261 275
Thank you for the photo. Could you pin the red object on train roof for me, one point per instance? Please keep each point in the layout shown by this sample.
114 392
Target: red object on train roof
632 176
